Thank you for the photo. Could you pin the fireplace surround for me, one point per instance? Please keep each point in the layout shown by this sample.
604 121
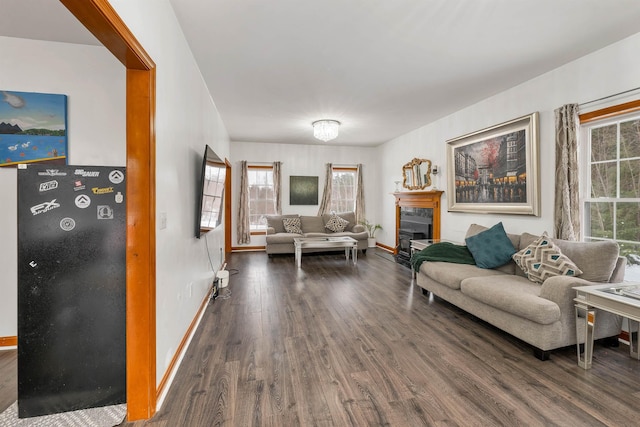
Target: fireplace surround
417 217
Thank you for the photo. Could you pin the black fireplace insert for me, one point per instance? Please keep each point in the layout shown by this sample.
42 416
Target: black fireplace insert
415 224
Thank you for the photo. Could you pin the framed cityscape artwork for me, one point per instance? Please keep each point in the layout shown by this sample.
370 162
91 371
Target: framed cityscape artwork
33 128
495 170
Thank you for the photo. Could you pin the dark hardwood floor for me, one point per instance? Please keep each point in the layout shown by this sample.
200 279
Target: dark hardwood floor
337 345
8 378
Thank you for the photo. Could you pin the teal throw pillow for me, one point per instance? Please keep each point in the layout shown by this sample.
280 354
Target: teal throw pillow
491 248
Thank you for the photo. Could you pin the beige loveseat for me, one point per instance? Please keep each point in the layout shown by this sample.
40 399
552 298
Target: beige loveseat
541 314
279 241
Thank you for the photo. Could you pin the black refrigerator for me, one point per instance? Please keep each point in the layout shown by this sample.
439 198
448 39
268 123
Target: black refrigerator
71 288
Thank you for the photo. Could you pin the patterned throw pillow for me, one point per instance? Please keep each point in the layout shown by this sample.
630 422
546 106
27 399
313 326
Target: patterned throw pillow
336 224
292 225
542 259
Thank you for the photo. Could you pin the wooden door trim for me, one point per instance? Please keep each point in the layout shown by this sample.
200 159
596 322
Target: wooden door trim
104 23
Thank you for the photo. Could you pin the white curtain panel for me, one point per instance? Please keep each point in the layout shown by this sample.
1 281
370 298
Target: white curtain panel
360 211
277 187
325 204
244 228
567 201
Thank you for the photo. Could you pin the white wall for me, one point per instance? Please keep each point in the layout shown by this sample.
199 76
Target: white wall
611 70
94 83
186 120
305 160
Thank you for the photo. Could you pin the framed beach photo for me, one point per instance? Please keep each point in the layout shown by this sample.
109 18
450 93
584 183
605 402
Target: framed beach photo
495 170
33 128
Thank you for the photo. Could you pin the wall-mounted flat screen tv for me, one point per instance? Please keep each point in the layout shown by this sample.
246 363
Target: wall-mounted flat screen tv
211 194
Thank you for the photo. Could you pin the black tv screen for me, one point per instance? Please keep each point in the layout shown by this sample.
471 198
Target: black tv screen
211 194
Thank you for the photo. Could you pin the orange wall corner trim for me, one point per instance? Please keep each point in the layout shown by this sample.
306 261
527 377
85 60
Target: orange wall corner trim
103 22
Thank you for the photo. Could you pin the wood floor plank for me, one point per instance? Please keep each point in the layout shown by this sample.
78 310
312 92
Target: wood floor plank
8 378
341 345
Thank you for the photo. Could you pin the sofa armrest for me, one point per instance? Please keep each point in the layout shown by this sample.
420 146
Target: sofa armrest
559 289
358 228
271 230
618 272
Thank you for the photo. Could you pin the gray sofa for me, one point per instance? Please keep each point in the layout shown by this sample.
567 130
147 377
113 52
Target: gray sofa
281 242
542 315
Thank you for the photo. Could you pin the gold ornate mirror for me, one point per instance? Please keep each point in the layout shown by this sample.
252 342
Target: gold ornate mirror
417 174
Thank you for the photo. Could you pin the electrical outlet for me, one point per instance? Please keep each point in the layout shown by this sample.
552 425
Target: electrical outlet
163 220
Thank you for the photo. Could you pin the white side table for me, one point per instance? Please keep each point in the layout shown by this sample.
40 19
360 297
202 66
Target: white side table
609 297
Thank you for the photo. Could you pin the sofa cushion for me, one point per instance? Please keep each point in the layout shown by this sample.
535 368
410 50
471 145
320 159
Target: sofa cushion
292 225
510 267
491 248
348 216
597 260
336 224
275 222
513 294
451 275
525 240
312 224
543 259
477 228
281 238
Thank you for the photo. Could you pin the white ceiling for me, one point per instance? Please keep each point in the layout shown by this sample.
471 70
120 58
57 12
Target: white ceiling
381 67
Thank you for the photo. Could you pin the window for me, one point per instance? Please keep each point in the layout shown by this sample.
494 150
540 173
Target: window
611 185
343 190
261 196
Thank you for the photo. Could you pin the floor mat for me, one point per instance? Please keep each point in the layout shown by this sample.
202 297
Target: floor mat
106 416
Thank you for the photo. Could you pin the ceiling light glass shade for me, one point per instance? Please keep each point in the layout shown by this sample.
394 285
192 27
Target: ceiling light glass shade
326 130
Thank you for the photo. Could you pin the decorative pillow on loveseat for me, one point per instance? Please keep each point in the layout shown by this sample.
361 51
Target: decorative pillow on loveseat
491 248
543 259
336 224
275 222
292 225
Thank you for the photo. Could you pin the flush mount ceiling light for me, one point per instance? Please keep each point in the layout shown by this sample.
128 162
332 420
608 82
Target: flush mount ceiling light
326 130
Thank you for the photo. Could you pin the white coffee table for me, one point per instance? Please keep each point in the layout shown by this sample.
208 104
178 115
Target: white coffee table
608 297
348 243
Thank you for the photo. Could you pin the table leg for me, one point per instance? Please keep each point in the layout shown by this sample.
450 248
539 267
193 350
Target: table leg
298 256
589 324
633 339
354 254
413 272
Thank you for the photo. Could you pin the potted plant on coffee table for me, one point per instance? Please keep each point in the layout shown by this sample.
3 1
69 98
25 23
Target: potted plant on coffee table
371 228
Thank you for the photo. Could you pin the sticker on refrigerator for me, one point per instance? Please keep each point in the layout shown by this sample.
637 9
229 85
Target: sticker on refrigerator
105 212
119 197
52 172
49 185
83 201
116 176
102 190
67 224
44 207
78 185
87 174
